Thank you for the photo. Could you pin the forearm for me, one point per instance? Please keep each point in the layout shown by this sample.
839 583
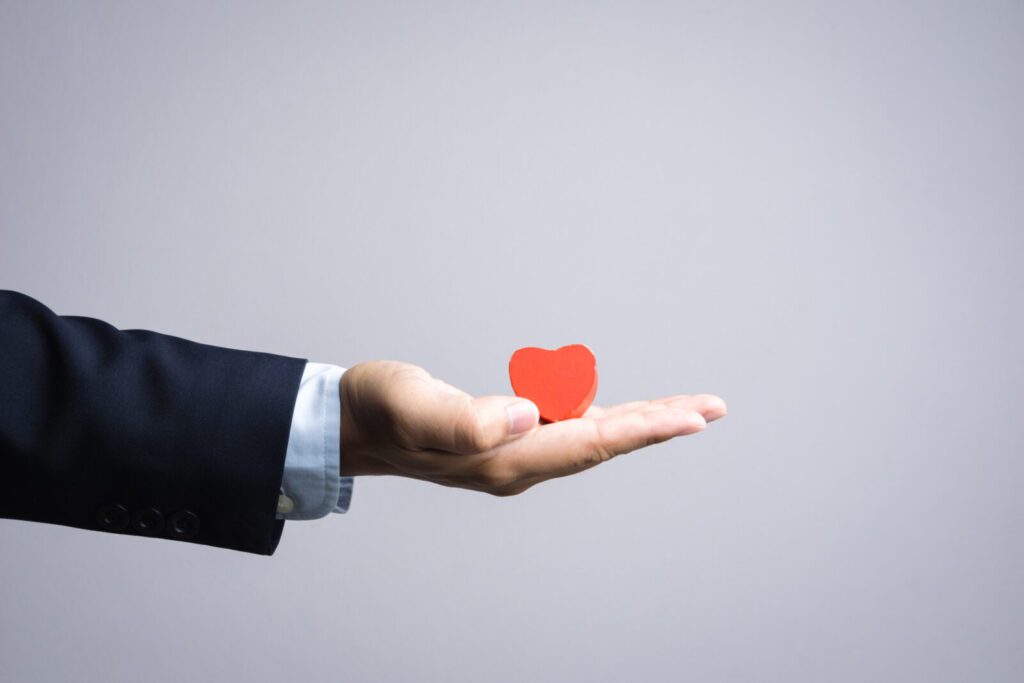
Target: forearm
93 418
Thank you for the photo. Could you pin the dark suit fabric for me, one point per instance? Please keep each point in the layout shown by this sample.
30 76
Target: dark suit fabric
136 432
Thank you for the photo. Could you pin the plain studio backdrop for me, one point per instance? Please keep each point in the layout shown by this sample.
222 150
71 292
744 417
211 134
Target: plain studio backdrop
813 211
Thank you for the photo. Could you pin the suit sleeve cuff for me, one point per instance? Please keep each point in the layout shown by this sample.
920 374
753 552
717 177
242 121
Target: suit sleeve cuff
312 486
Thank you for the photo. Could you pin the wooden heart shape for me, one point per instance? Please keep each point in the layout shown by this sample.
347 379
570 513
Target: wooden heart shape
562 382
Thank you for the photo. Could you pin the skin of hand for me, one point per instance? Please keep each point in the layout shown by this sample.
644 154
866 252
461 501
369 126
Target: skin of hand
396 419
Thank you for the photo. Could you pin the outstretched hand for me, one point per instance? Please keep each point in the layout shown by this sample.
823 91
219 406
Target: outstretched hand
397 419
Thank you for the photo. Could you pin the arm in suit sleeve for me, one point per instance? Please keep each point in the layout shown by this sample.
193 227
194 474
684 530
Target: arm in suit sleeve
136 432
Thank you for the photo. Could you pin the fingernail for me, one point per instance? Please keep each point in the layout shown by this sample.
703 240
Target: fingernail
522 416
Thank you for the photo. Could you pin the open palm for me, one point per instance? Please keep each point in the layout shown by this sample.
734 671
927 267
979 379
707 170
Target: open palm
397 419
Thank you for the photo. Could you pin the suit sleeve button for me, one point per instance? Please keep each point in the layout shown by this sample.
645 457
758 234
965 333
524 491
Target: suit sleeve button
113 517
183 525
148 521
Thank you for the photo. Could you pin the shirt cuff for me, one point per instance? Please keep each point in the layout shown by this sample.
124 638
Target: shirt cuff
312 486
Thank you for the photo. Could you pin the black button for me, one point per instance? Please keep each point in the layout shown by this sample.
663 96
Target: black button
113 517
148 521
183 525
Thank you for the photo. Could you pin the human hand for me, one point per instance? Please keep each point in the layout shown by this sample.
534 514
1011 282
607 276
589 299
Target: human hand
397 419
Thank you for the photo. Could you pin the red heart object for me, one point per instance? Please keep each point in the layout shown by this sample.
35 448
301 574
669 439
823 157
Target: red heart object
562 382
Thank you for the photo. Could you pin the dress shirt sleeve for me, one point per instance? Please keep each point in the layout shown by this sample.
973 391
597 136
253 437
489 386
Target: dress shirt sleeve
312 486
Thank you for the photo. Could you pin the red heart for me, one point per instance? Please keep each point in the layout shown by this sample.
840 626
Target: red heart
562 383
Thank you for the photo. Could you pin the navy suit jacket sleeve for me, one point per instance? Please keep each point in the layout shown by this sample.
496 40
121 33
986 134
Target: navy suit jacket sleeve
136 432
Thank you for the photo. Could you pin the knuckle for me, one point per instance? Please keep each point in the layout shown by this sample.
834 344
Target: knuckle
601 453
590 457
472 435
599 450
474 439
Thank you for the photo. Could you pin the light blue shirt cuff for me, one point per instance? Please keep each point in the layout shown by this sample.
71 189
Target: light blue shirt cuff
312 486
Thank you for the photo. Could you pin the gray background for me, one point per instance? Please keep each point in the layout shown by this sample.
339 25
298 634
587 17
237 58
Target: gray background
811 210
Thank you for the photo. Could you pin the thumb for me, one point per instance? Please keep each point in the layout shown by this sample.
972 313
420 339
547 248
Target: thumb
483 423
